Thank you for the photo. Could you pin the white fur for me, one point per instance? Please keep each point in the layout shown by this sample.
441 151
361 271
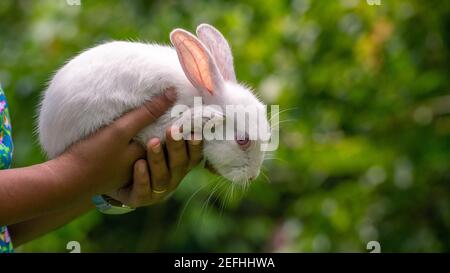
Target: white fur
102 83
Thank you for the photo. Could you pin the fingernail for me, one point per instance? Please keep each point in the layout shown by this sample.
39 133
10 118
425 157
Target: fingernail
156 148
155 145
142 168
171 94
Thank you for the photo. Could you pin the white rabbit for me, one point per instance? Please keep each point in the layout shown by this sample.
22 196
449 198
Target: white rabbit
104 82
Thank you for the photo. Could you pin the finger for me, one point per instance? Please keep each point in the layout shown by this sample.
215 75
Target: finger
139 192
178 158
136 120
136 151
141 189
195 150
160 175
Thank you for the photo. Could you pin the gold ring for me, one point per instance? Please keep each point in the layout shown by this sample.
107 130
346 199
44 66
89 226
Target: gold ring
159 192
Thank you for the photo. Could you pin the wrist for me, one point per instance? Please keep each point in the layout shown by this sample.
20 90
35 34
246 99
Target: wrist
65 172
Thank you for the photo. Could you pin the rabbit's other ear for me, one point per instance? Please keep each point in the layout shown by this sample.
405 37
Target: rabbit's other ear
196 61
220 50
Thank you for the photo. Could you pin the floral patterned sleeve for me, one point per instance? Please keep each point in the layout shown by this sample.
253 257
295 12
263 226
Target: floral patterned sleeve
6 151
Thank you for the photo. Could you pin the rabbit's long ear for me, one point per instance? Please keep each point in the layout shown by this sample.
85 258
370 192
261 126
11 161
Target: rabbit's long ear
220 49
196 61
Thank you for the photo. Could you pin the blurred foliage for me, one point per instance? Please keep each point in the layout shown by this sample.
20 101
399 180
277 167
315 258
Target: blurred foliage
365 141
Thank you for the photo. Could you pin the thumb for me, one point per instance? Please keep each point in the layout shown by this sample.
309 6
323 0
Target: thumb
136 120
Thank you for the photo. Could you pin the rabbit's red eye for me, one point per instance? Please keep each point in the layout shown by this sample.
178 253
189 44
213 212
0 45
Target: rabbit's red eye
243 142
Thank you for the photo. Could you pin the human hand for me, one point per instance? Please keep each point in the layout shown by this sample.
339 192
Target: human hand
105 159
154 179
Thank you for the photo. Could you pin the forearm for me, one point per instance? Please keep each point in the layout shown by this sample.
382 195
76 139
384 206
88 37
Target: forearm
37 190
29 230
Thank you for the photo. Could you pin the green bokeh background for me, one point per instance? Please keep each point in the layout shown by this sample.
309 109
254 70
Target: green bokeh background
365 143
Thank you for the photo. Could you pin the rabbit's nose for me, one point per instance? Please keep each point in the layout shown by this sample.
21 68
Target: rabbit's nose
251 178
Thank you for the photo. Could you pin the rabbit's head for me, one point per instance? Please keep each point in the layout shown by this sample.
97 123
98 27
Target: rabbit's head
208 64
